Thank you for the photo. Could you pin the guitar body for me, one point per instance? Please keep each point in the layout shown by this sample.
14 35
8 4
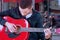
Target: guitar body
21 36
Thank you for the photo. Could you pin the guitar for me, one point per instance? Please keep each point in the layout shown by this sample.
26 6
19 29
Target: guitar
24 30
6 35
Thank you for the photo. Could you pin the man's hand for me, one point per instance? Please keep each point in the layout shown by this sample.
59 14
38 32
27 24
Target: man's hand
47 33
11 27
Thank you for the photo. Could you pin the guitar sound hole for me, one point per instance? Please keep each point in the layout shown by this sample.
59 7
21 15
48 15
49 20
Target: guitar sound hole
13 35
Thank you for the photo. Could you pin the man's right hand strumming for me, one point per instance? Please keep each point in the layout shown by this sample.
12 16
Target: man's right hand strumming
11 27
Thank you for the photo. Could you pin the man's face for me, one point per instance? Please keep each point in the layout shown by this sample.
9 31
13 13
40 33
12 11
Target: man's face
26 11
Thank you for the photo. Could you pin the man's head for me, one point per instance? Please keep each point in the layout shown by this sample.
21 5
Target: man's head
26 6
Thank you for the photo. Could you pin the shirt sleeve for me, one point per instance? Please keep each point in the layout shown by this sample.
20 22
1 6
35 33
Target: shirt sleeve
5 13
41 35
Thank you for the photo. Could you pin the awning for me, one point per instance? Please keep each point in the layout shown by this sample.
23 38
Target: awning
9 0
36 1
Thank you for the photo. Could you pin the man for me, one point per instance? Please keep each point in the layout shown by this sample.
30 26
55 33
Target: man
24 10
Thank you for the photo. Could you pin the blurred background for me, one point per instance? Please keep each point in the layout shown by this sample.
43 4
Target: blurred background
49 9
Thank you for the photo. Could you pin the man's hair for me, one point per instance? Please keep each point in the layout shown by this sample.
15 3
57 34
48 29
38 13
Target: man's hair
25 4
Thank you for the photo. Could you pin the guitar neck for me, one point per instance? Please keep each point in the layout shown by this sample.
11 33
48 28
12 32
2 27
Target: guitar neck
31 30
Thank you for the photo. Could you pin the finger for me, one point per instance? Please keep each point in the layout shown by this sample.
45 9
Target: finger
18 26
14 26
11 28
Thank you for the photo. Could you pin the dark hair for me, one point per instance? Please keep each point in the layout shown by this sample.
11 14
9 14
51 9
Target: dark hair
25 3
